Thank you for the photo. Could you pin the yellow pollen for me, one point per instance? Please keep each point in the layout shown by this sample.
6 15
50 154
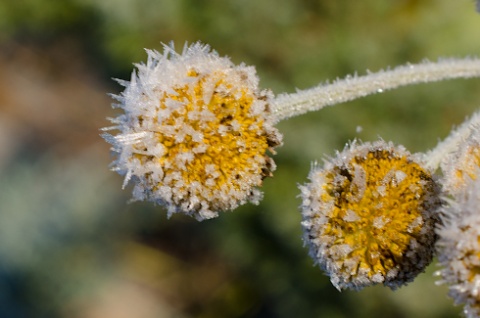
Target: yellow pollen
377 203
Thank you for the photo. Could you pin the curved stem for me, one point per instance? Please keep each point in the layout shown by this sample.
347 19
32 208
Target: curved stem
353 87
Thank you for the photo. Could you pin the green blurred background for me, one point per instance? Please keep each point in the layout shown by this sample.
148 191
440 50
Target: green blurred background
72 246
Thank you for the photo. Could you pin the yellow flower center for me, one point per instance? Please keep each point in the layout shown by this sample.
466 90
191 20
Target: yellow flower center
214 143
377 204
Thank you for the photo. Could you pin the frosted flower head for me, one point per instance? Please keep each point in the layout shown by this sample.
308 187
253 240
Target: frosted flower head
461 165
195 132
369 216
459 248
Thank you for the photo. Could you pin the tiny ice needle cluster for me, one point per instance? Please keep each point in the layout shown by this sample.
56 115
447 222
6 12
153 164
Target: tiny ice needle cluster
195 136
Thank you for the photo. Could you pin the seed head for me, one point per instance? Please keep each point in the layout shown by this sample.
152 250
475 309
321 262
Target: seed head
369 216
195 132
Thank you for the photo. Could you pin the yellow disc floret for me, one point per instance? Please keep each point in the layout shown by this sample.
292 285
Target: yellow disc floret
195 139
231 138
368 216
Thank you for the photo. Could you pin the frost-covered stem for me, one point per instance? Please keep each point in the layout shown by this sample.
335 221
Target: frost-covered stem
451 143
353 87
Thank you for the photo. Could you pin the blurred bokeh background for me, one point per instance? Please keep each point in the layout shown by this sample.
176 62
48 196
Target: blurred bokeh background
70 243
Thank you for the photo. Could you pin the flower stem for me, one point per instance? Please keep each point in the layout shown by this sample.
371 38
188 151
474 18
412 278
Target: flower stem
353 87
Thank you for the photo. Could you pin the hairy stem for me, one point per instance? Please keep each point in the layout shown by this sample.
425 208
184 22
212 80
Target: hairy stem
353 87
